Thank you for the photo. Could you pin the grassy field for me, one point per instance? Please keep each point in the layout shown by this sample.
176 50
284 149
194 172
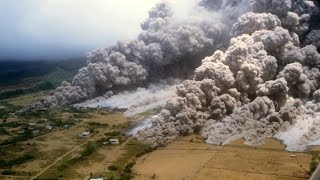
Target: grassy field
46 144
26 83
27 99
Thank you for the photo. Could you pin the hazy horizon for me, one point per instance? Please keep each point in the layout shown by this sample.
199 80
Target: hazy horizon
62 29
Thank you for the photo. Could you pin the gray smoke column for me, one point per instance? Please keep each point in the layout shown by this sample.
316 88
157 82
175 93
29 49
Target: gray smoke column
265 83
172 43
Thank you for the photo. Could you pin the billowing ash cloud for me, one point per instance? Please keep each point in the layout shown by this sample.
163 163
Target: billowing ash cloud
265 84
260 78
171 44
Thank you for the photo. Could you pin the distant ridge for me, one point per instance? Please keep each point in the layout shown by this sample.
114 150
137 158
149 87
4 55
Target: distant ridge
21 77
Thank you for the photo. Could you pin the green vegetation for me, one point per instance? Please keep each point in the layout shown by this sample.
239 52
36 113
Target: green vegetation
94 125
12 124
82 115
123 126
113 133
72 109
14 72
91 148
52 115
3 131
20 160
113 168
27 134
25 77
122 168
7 110
314 162
42 86
47 114
88 150
8 172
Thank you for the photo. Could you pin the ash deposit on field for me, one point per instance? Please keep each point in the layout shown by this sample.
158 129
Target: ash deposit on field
248 69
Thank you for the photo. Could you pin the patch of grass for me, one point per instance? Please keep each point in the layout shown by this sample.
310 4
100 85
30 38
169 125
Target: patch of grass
72 109
7 110
44 114
82 115
3 131
113 133
26 77
85 153
20 160
124 164
12 124
20 138
53 116
123 126
113 168
314 162
8 172
42 86
95 125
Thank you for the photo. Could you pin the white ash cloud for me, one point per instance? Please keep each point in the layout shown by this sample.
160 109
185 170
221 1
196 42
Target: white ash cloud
136 101
305 132
254 89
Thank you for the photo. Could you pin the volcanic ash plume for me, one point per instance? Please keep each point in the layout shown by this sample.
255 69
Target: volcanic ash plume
265 84
172 44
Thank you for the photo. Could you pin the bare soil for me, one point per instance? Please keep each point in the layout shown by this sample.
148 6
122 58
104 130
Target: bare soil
184 159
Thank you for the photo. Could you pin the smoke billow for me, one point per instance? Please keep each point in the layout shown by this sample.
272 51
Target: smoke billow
265 84
171 44
258 78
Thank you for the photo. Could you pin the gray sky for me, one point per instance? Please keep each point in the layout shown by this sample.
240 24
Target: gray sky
54 29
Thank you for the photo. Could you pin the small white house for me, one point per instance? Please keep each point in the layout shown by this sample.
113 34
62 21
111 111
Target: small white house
114 141
84 134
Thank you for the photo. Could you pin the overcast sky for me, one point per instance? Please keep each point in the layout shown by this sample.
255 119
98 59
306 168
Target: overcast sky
55 29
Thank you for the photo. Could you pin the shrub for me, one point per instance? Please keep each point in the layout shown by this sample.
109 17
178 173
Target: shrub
313 166
12 124
113 133
126 176
314 162
3 131
25 136
20 160
113 168
89 150
153 176
8 172
128 168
